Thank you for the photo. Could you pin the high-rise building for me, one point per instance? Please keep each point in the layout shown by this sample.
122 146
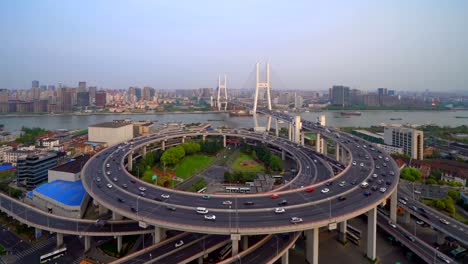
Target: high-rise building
31 170
298 101
3 95
138 93
101 98
382 92
410 139
92 95
81 86
339 95
391 92
35 83
147 93
82 99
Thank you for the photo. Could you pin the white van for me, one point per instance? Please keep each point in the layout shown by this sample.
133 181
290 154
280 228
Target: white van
201 210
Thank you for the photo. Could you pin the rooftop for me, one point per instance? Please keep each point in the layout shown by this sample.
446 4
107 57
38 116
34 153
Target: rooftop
113 124
73 166
68 193
368 133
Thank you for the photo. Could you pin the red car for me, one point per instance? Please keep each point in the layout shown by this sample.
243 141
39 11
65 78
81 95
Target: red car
274 196
310 189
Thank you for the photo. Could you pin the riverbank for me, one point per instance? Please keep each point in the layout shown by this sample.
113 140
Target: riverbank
110 113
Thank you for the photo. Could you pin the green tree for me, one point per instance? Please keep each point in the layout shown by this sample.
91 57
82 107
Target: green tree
276 163
439 204
435 173
173 155
191 147
454 195
431 181
410 174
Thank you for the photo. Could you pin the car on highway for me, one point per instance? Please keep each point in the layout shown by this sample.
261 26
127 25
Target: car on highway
443 221
115 179
375 175
206 196
390 223
249 203
374 188
279 210
367 193
417 192
341 198
142 194
402 201
124 186
134 209
342 184
122 200
98 179
101 222
443 258
210 217
227 202
364 185
201 210
309 190
170 208
383 189
410 238
141 188
296 220
179 243
326 190
354 163
330 183
274 196
420 222
165 196
109 185
108 173
283 202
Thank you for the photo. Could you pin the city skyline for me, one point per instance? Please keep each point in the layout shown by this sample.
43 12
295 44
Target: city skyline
186 45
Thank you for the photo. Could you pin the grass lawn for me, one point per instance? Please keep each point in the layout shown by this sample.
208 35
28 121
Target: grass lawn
191 164
245 163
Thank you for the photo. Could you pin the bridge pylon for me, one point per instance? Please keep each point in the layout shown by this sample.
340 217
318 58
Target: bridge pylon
262 85
221 94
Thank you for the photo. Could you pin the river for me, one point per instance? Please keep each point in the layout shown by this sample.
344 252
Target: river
368 118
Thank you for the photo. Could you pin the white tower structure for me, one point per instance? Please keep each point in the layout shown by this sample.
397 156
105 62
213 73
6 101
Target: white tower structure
262 85
219 99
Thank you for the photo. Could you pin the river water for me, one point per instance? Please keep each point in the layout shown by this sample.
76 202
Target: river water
368 118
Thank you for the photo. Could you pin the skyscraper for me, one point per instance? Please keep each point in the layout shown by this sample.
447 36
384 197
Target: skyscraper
92 95
138 93
81 86
339 95
35 83
83 99
101 98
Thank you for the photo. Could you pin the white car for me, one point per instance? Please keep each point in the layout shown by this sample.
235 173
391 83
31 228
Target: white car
383 189
402 201
109 185
417 192
392 224
342 184
165 196
444 221
296 220
179 243
375 175
115 179
279 210
211 217
354 163
364 185
326 190
361 164
142 189
227 202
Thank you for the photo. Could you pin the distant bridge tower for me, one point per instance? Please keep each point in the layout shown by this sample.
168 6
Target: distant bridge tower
220 94
262 85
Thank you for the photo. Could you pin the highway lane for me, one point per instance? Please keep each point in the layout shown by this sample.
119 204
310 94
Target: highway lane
268 250
47 221
455 229
421 248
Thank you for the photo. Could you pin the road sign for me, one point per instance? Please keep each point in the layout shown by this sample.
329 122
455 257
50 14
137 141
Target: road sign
332 226
142 224
154 177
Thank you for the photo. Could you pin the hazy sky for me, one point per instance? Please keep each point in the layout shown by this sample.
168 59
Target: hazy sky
399 44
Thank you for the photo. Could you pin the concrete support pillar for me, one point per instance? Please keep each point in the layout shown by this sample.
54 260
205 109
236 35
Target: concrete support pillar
87 243
204 138
158 235
235 243
297 129
318 142
393 206
302 138
183 139
224 140
372 233
440 238
406 217
245 243
116 216
324 147
285 257
130 162
59 240
277 127
268 124
290 130
200 260
119 243
143 151
102 210
337 152
163 145
343 228
312 243
283 155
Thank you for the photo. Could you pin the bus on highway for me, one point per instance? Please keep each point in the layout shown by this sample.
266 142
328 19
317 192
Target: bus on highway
232 189
53 255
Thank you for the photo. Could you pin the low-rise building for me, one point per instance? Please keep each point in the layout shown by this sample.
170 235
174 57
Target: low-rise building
111 133
32 170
